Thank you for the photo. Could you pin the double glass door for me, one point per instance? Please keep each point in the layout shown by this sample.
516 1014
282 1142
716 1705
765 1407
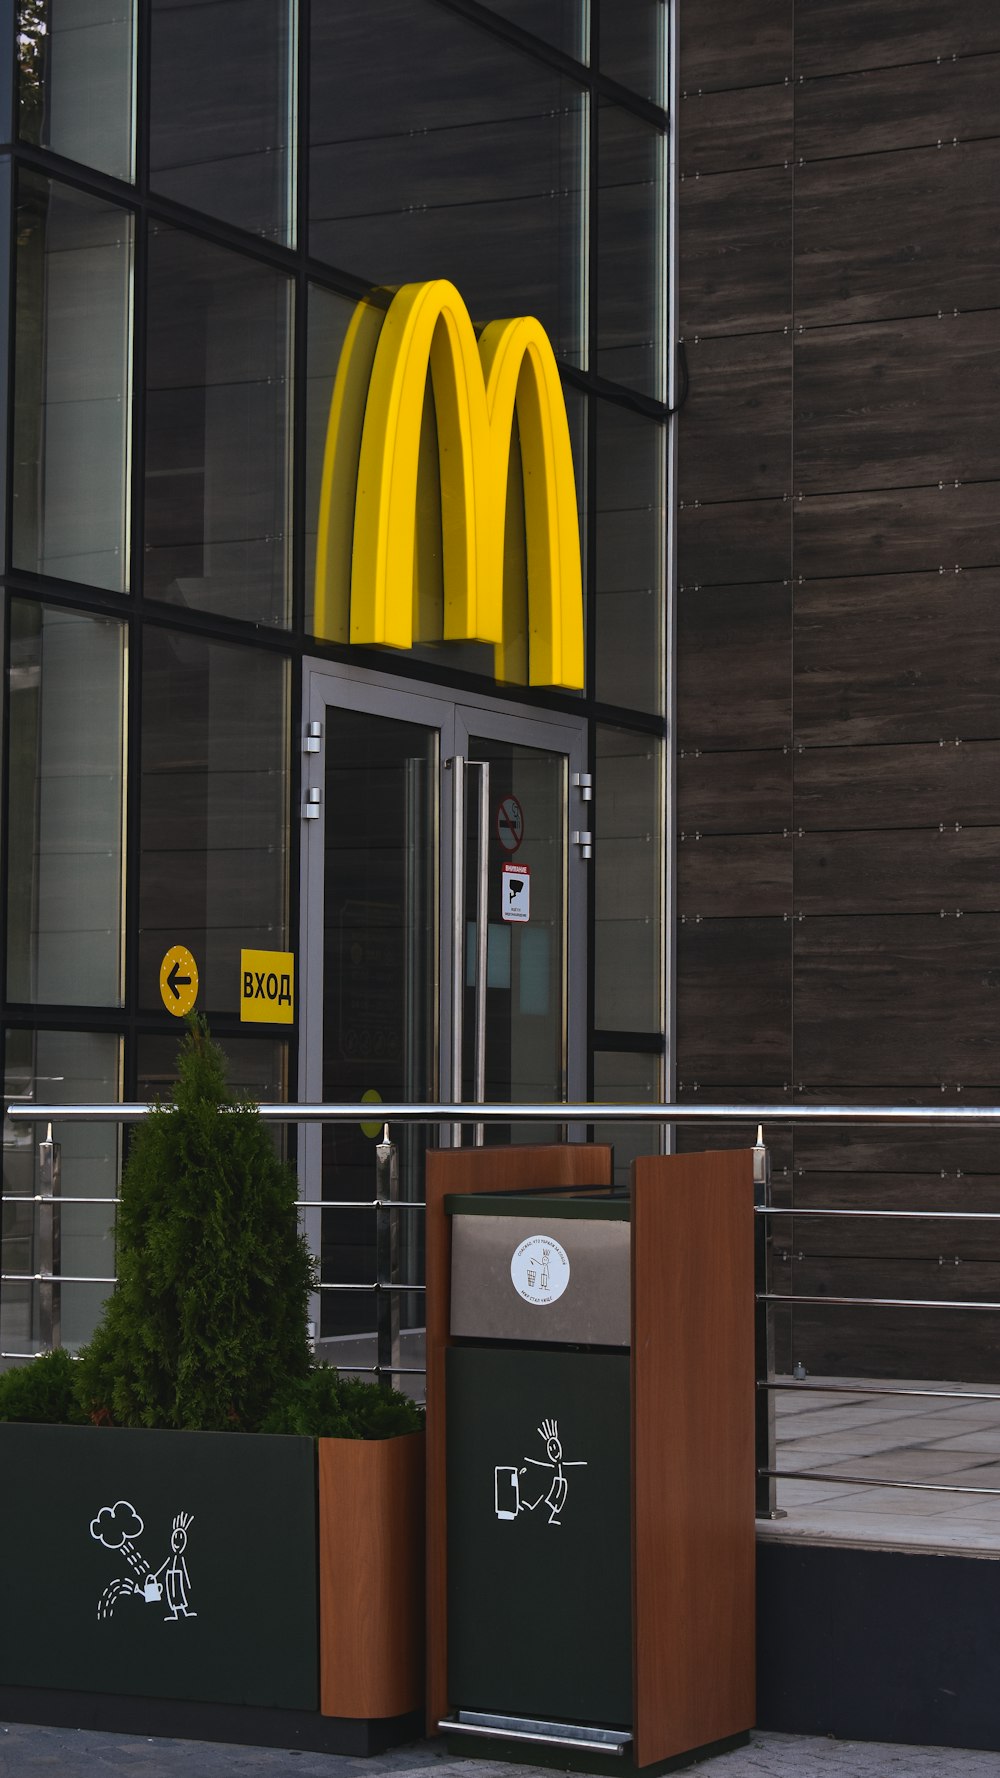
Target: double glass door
443 949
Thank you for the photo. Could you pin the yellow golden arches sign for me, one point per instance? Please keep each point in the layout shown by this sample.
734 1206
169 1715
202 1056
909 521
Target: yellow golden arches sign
376 428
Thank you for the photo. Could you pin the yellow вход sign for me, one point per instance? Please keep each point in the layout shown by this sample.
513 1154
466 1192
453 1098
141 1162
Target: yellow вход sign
376 422
267 987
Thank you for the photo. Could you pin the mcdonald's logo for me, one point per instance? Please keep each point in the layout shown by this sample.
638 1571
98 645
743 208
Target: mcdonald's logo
371 573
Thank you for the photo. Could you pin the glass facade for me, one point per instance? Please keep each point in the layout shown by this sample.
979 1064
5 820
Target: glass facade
212 212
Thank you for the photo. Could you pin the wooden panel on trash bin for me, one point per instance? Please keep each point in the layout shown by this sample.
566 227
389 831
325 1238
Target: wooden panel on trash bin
371 1575
471 1170
693 1450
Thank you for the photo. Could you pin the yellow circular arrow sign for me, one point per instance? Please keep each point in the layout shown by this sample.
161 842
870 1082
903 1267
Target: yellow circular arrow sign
178 981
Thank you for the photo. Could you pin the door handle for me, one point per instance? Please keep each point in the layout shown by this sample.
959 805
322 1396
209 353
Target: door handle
460 770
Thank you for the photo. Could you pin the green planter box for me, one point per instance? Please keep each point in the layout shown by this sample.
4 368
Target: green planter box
175 1565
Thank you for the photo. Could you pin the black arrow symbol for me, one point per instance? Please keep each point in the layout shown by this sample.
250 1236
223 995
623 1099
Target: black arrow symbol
176 982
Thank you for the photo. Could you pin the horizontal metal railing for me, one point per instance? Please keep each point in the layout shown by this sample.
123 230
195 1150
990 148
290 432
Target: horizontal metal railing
590 1116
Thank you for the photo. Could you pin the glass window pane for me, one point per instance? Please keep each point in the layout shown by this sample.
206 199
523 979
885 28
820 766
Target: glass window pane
471 169
64 917
76 79
71 385
630 548
633 46
258 1067
217 430
627 876
66 1068
627 1080
566 23
213 866
631 220
221 109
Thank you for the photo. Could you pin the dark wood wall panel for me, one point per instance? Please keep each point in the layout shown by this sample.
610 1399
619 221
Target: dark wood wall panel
834 35
728 132
871 1150
873 787
879 236
734 792
822 1237
908 658
897 1343
725 43
737 420
731 542
734 1001
891 404
897 1001
909 872
838 653
734 666
736 253
914 106
735 874
899 531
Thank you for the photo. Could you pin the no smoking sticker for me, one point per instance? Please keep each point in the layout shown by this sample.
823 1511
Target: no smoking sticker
515 893
510 823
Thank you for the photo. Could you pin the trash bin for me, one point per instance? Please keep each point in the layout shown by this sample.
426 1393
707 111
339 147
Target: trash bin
590 1428
539 1557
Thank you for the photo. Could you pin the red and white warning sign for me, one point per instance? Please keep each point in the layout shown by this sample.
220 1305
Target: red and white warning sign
515 896
510 823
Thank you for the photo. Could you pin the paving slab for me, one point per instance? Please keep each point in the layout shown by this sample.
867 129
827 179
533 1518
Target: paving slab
29 1752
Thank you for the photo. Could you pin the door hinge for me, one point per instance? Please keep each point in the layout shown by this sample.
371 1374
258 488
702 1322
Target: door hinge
585 841
313 737
584 783
311 806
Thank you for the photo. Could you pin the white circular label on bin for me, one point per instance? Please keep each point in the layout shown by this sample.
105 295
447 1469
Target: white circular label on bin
539 1270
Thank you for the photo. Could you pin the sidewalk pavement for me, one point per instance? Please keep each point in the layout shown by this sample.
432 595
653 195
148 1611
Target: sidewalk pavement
80 1753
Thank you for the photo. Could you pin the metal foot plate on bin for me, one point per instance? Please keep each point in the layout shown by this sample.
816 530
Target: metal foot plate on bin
527 1728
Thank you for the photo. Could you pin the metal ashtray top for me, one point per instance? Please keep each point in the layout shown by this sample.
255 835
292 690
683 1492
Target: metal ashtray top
540 1267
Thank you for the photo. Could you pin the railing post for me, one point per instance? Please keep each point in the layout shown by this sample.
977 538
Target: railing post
49 1242
765 1485
387 1355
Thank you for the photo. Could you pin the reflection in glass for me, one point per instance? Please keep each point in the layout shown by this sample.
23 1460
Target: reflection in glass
437 151
76 77
627 1080
566 23
221 109
630 566
69 1068
633 46
525 967
213 866
64 915
342 337
218 430
627 883
380 963
258 1067
71 385
631 221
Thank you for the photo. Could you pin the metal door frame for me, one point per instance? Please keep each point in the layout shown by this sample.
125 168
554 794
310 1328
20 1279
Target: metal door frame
456 715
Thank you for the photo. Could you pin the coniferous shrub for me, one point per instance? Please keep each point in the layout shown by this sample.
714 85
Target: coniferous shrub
208 1323
327 1405
44 1390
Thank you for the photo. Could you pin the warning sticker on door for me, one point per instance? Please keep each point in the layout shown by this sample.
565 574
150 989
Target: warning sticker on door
515 893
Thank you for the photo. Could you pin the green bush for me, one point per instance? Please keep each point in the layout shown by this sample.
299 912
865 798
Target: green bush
207 1326
326 1405
43 1390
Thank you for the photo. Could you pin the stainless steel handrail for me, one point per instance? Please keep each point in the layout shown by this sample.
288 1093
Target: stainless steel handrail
558 1112
585 1114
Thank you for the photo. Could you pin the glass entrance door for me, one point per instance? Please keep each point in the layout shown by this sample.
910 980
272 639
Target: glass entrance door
442 947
